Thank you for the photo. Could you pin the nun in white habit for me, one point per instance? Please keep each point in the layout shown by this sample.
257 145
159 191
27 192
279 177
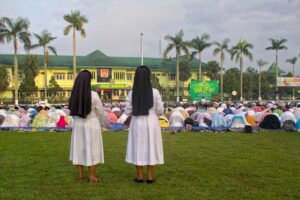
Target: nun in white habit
86 142
144 146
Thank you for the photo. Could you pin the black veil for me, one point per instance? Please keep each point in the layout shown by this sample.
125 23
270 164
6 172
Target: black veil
80 102
142 95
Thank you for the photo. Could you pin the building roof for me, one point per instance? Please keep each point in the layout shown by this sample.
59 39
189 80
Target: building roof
272 69
99 59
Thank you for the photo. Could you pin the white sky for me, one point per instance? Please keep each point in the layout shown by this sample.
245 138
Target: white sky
115 25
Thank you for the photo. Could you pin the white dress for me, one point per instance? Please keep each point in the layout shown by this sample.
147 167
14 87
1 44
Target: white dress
144 146
86 142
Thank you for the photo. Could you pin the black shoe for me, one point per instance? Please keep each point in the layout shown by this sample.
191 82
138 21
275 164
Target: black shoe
150 181
138 180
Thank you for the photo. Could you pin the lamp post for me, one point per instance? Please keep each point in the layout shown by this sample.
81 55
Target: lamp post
293 87
142 50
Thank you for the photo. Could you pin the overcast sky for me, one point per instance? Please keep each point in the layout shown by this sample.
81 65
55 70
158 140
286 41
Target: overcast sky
115 25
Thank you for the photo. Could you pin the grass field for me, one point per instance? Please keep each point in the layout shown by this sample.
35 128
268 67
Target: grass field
34 165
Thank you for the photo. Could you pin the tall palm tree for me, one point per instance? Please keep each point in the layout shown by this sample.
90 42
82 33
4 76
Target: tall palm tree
199 44
241 49
16 31
43 41
4 81
2 26
260 64
293 62
76 22
277 44
176 42
221 48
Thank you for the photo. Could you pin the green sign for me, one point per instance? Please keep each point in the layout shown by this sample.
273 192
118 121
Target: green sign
111 86
204 89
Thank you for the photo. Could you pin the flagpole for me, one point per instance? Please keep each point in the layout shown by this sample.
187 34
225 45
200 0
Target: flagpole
142 50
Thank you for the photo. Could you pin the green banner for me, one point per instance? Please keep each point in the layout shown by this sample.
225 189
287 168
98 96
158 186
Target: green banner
204 89
111 86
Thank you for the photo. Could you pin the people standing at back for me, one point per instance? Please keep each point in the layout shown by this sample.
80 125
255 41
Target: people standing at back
144 105
86 143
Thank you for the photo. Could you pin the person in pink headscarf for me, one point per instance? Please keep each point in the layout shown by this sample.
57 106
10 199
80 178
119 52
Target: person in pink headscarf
62 123
111 117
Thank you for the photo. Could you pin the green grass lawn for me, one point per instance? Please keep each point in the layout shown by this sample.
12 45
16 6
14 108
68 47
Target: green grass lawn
266 165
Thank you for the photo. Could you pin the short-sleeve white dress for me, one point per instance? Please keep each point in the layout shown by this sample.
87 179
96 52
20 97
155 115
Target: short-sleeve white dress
86 141
144 146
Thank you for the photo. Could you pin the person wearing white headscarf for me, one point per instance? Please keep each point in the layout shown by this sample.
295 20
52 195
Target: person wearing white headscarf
287 115
11 120
176 119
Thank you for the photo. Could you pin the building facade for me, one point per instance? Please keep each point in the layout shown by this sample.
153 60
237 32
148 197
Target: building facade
112 77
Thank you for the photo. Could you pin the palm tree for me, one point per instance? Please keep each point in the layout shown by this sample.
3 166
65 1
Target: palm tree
76 22
221 48
293 62
177 43
16 31
2 26
199 44
4 81
260 64
43 41
277 44
241 49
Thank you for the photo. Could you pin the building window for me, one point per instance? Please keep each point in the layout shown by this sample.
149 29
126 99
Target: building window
129 77
59 76
70 76
119 75
69 93
116 92
172 77
163 74
93 74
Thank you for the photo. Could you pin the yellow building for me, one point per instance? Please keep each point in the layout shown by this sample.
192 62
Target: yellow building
112 76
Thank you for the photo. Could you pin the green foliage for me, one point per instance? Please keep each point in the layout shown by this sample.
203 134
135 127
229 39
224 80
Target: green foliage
76 21
213 70
221 48
242 48
267 85
27 87
250 83
176 42
155 82
30 66
199 44
231 80
15 30
292 60
43 41
53 87
277 44
184 70
227 166
261 63
4 78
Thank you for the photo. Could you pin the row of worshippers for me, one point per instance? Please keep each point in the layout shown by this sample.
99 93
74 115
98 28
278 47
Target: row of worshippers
53 116
217 116
224 116
35 116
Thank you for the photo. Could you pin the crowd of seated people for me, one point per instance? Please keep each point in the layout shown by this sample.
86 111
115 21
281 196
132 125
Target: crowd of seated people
204 115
